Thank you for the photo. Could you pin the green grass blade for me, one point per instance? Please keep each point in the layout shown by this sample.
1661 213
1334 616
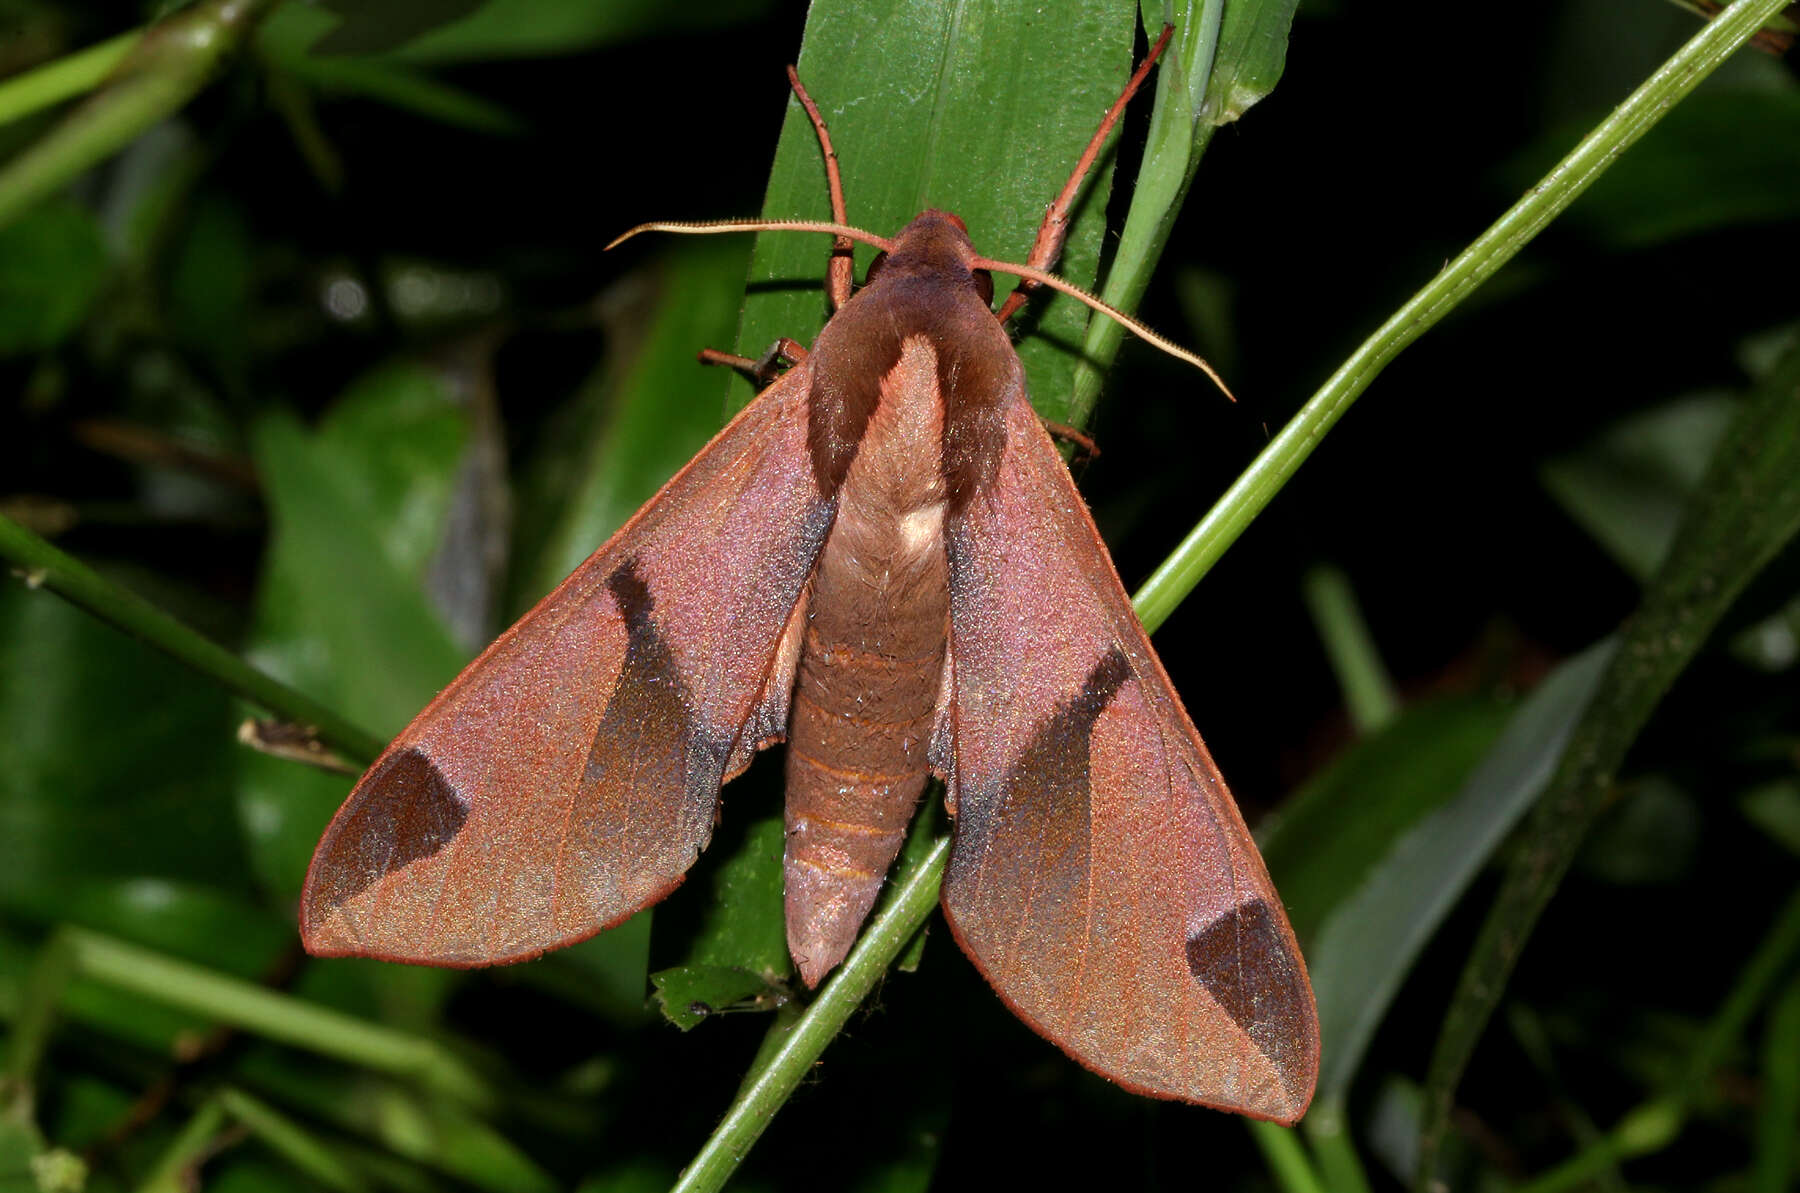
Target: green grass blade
69 76
161 72
1369 693
277 1016
73 580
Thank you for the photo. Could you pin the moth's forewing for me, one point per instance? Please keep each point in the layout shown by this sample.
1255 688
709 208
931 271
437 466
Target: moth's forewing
569 776
1101 876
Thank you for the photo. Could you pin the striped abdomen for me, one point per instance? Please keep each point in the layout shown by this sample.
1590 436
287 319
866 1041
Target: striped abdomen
871 664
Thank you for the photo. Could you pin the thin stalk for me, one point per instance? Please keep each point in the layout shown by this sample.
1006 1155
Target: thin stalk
1745 510
1368 690
1286 1158
45 566
1278 462
1655 1124
1327 1129
162 70
291 1141
174 1169
31 1026
911 902
276 1016
1778 1118
69 76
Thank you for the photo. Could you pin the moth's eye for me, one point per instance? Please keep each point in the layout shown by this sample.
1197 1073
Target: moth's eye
984 285
874 267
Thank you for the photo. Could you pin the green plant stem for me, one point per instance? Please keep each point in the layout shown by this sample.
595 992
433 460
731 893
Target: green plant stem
1327 1130
162 70
276 1016
30 1032
291 1141
46 566
171 1173
1286 1158
1175 143
71 75
1756 984
1474 265
1745 510
910 903
1368 691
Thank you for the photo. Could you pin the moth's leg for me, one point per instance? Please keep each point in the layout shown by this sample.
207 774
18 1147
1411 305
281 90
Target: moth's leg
840 274
782 354
1085 447
1055 229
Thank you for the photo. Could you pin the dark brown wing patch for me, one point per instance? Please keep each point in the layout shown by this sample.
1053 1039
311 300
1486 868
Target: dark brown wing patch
647 722
407 811
1244 961
1044 796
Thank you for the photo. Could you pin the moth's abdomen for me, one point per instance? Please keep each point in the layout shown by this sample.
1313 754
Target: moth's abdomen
871 666
855 767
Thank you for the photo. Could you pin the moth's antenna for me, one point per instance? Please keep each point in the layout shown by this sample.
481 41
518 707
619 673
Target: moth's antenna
1105 308
1041 277
705 227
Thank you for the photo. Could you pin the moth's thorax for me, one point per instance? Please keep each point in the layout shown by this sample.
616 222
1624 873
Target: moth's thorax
925 289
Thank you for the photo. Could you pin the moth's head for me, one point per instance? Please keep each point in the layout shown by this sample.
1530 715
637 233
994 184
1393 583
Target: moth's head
935 245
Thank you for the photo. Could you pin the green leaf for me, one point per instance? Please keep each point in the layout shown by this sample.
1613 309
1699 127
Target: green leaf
340 615
925 111
1334 835
1252 54
160 73
210 287
1649 835
1774 808
745 926
1373 854
52 267
1223 58
1630 486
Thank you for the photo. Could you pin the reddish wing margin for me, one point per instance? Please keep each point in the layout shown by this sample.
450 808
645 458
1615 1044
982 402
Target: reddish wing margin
570 775
1101 876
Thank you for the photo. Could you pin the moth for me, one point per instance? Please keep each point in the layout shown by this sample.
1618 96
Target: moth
883 561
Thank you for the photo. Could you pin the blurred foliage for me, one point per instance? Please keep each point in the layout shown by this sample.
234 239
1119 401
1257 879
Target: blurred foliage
328 363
